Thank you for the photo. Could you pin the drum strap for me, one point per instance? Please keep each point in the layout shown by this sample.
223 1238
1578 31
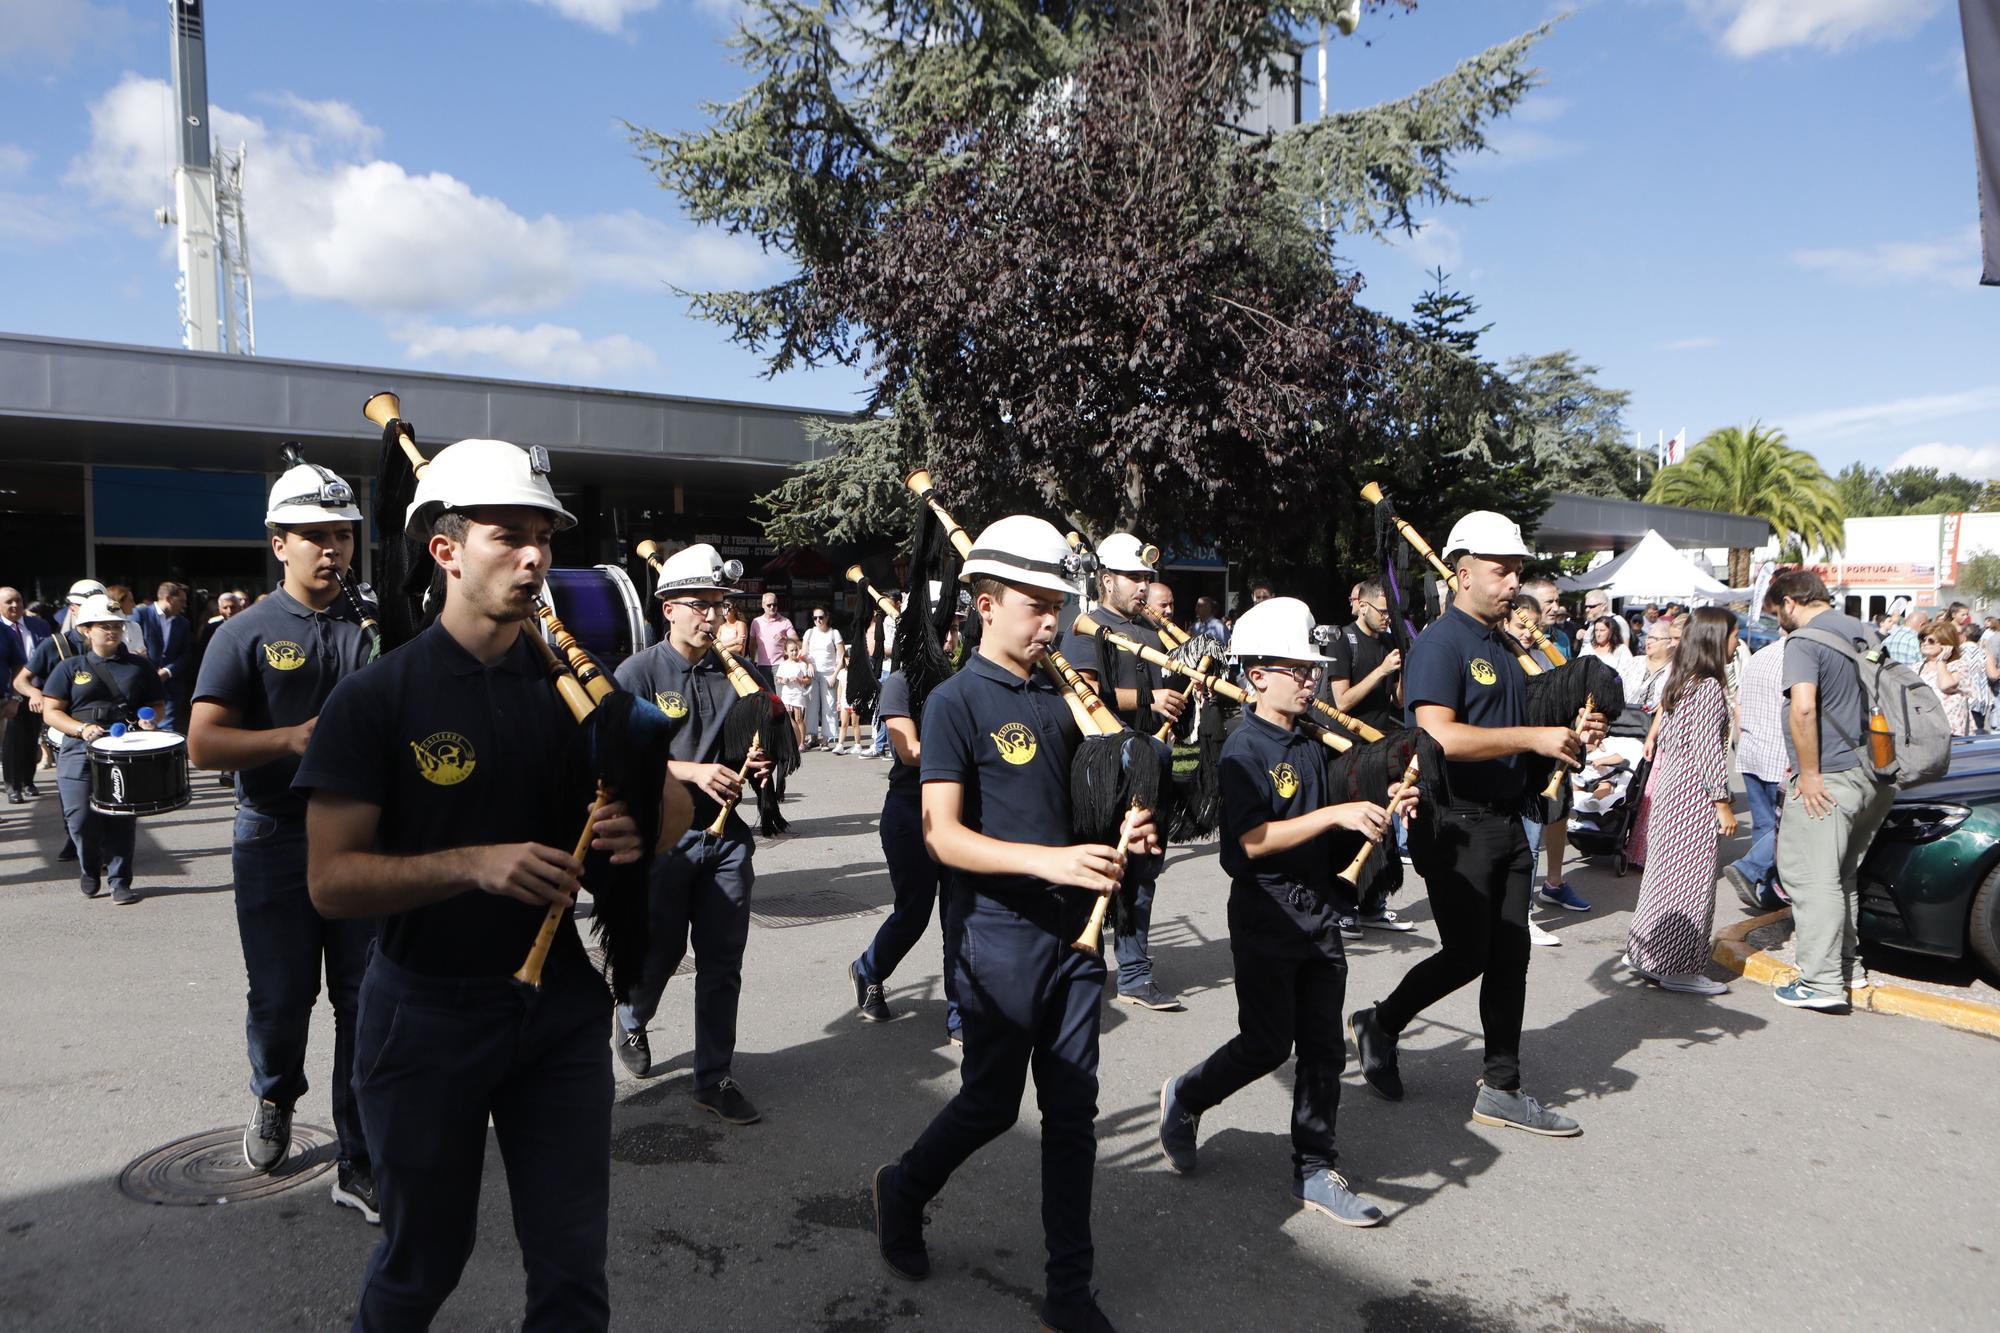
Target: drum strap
118 708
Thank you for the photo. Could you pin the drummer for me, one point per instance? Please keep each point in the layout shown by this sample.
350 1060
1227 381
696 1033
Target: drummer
82 697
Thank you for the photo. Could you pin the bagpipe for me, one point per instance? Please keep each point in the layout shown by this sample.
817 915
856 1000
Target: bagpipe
625 737
757 725
1114 769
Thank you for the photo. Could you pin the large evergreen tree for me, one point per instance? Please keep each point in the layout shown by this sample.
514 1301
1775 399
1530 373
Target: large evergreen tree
1574 427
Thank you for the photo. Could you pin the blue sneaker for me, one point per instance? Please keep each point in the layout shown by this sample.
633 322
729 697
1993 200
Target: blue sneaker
1561 895
1327 1192
1178 1126
1799 995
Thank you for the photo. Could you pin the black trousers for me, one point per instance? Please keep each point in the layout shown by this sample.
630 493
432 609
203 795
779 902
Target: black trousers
1030 1002
434 1059
20 747
1476 869
1282 1002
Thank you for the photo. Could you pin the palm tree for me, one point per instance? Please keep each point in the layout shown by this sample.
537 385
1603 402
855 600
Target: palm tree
1752 470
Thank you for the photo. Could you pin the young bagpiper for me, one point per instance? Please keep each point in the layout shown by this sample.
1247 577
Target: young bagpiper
448 785
998 740
264 678
83 697
1139 693
1278 820
1465 687
701 889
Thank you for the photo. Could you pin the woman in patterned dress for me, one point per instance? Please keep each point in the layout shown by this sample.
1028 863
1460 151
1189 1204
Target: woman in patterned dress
1669 944
1944 671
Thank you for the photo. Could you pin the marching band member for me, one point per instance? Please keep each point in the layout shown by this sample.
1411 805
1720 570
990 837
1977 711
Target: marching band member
701 889
446 783
1278 818
67 641
1139 693
998 740
266 675
82 696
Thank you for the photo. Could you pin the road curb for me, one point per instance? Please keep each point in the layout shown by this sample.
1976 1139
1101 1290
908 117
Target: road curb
1734 951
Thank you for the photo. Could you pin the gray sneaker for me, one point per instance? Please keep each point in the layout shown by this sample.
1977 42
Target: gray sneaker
1148 996
268 1136
1517 1110
1178 1127
1327 1192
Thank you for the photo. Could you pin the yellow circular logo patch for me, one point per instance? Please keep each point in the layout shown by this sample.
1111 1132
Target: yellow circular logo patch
1016 742
444 758
1483 672
284 656
81 678
1286 779
671 704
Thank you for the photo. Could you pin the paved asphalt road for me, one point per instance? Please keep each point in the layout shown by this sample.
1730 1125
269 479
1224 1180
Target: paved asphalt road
1742 1164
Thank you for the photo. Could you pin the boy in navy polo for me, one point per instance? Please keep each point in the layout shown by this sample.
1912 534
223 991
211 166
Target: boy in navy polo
1279 851
264 678
447 786
997 746
1464 686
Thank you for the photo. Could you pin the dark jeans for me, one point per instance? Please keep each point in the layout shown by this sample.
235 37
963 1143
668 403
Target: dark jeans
1279 1002
435 1058
103 842
284 941
1476 870
1135 964
1030 1003
20 747
699 891
914 878
1756 864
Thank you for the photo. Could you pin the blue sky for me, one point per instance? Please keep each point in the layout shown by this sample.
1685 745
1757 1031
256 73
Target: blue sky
1737 208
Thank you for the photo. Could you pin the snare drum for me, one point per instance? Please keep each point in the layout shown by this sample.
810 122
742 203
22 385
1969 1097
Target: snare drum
602 609
139 773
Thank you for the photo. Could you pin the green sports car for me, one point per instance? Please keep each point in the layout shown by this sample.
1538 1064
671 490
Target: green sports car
1931 881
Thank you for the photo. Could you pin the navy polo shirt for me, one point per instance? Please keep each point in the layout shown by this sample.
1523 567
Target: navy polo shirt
44 659
1082 652
275 662
1278 905
1008 743
457 754
894 701
696 697
1469 667
83 685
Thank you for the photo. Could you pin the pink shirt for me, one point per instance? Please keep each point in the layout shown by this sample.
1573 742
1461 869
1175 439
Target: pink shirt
768 635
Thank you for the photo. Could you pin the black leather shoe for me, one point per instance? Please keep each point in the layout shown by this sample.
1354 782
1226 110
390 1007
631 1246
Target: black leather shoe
634 1051
125 897
32 790
1080 1316
90 887
899 1229
15 796
868 1002
1376 1052
726 1101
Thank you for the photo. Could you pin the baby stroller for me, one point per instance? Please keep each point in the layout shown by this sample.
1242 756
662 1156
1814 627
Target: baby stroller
1608 832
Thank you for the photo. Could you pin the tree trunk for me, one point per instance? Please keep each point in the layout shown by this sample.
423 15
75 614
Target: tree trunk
1739 567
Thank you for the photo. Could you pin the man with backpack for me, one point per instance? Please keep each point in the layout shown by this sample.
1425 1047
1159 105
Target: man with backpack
1835 676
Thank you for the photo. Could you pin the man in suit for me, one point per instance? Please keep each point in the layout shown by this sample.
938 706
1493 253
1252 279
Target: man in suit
20 743
170 648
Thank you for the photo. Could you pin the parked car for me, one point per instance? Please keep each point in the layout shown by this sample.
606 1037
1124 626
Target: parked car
1756 631
1931 881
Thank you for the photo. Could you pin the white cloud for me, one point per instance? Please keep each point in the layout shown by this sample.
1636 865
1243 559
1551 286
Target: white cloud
1952 261
1754 27
546 351
1979 461
14 160
1434 244
1694 344
1901 413
330 221
603 15
49 32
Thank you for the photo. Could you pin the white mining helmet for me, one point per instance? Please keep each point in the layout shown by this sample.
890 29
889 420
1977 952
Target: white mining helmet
82 590
1026 550
309 493
1483 532
97 610
1122 553
697 568
484 473
1280 628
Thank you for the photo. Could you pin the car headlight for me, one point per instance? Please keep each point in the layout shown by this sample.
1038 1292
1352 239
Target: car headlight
1923 822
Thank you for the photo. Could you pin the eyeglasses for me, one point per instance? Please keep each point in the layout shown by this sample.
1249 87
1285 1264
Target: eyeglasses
818 616
706 610
1381 610
1303 675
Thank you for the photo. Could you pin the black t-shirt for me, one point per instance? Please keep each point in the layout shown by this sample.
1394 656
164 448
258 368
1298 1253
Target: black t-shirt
90 687
1470 668
1278 905
1008 742
1082 651
894 701
275 662
697 698
457 754
47 653
1354 655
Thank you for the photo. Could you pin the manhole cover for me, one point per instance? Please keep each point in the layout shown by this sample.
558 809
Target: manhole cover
807 909
209 1168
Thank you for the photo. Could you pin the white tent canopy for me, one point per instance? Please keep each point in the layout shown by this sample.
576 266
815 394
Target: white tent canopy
1651 571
